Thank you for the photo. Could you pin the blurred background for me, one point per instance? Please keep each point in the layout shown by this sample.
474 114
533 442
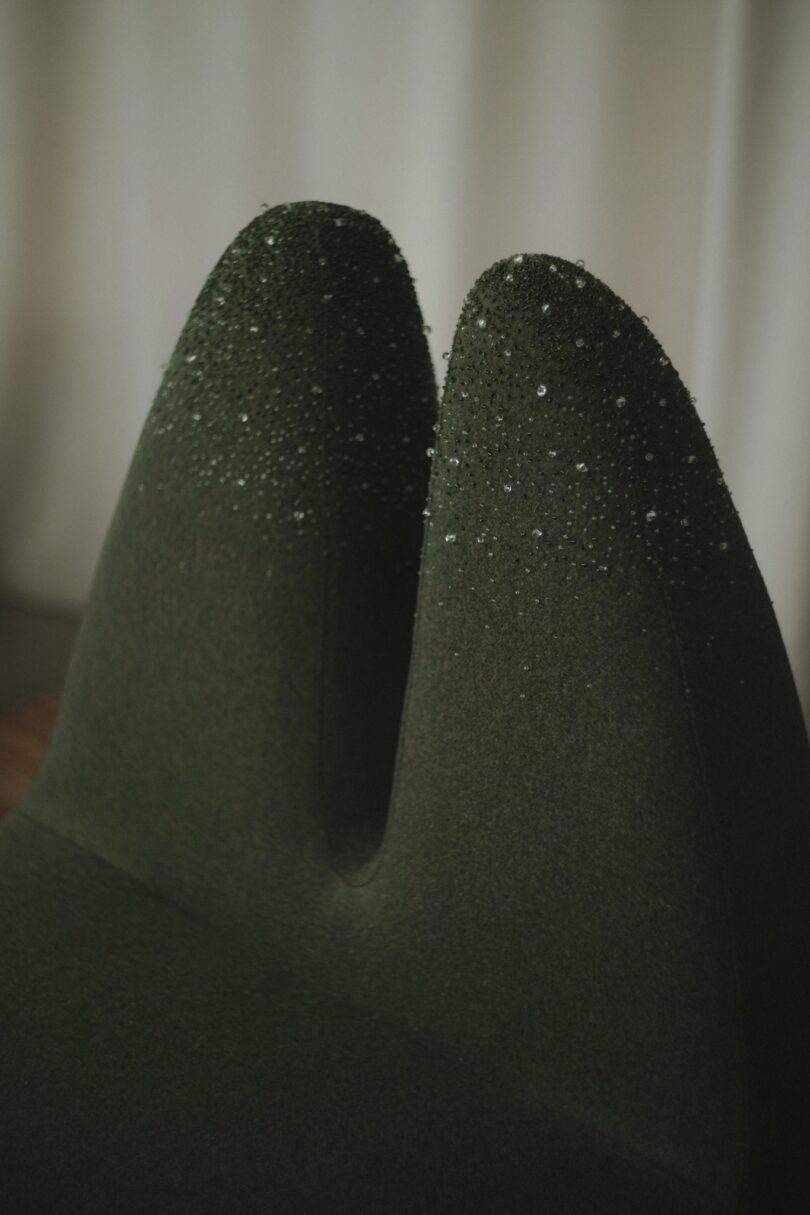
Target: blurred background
663 141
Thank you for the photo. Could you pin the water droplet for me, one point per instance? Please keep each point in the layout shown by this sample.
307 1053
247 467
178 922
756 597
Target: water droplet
254 328
651 514
552 453
621 402
430 451
537 531
271 240
427 329
691 459
481 322
553 267
662 401
190 358
684 521
326 297
507 489
510 278
579 282
648 455
664 361
617 333
298 515
243 417
581 466
542 389
580 342
454 460
450 538
445 355
518 259
508 354
723 546
645 320
359 437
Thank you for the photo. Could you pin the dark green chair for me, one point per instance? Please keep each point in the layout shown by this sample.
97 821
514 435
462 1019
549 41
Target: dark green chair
330 897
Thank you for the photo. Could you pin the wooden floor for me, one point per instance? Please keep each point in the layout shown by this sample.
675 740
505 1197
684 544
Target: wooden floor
24 735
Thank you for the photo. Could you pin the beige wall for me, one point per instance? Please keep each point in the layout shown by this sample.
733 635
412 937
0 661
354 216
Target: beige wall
662 140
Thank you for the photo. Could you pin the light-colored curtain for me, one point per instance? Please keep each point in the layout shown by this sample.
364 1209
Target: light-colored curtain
664 141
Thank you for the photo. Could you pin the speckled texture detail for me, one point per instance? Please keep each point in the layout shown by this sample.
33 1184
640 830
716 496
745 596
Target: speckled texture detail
567 422
434 782
302 378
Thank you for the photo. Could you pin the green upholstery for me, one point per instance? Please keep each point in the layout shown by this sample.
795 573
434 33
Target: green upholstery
330 897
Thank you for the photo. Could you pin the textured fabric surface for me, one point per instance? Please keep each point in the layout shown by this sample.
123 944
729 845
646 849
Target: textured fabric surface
332 895
162 1065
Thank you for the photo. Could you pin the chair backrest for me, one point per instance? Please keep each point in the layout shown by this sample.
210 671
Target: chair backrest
551 816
